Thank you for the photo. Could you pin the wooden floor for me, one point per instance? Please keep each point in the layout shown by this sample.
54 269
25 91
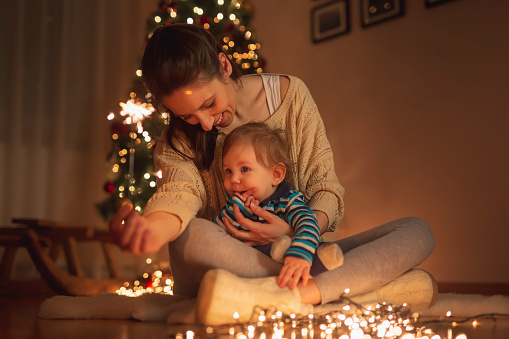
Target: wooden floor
18 320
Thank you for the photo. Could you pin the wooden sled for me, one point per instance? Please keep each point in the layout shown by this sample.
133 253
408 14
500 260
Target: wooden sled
44 240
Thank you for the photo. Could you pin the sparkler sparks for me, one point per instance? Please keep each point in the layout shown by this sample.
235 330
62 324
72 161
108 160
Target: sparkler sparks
135 112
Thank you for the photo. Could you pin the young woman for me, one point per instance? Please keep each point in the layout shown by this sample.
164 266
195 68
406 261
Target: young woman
195 82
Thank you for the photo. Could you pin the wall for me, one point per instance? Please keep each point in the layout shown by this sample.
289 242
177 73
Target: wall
416 112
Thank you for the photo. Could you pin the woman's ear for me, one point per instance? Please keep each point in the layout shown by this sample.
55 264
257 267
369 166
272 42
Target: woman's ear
225 62
278 174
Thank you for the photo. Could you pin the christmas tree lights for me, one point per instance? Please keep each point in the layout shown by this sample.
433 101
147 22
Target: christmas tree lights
138 125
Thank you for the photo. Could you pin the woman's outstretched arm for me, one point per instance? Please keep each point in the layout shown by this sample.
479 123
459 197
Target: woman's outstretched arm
139 234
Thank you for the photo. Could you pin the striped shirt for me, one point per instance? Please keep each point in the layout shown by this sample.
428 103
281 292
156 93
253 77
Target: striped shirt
289 205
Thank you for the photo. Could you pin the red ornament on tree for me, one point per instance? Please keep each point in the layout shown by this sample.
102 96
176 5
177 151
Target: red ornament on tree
109 187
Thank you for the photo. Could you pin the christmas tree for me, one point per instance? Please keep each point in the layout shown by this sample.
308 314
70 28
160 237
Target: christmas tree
137 126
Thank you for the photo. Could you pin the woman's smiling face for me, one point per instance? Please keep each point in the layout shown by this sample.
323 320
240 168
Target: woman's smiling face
211 104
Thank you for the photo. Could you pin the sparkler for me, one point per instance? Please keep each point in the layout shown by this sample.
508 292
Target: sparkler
134 112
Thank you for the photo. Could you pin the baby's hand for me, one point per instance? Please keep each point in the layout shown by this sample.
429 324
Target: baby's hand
293 270
247 197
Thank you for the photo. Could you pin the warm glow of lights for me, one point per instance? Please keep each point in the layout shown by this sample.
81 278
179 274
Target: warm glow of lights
157 19
110 116
247 35
220 16
135 112
139 73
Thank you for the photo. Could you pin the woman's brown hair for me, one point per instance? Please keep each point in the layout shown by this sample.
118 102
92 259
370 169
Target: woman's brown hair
178 55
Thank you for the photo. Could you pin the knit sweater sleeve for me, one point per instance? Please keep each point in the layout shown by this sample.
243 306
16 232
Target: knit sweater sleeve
314 173
180 189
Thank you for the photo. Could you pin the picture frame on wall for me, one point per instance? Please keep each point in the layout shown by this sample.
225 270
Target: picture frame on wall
329 20
375 11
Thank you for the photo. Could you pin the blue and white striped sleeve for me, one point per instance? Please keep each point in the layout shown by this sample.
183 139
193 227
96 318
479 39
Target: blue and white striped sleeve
307 233
227 211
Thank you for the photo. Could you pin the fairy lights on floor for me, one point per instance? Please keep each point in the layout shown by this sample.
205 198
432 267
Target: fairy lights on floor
348 320
155 282
354 322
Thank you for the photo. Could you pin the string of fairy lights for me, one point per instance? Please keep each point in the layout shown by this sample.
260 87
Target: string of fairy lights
348 320
343 319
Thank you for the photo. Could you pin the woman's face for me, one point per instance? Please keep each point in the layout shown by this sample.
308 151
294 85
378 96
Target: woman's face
210 104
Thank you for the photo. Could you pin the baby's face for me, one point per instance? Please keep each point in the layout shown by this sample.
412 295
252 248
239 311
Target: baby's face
243 172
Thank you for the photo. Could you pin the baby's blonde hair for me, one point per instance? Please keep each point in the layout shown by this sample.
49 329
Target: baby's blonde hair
269 144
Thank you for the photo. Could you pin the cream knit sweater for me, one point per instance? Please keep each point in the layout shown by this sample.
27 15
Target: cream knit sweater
187 192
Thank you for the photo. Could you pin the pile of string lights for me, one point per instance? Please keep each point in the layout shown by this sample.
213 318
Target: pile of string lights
352 321
343 319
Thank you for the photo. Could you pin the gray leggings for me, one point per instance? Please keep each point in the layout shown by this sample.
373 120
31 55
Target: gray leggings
371 258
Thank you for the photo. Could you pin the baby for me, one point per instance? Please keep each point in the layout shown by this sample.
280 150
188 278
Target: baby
255 162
